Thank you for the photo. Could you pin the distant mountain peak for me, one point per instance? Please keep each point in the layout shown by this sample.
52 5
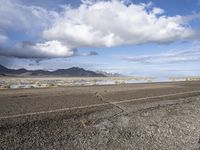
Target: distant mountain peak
1 66
3 69
70 72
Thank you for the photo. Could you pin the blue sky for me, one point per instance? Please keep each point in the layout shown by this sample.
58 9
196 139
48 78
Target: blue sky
137 38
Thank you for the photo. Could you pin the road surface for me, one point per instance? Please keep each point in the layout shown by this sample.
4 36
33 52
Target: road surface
132 116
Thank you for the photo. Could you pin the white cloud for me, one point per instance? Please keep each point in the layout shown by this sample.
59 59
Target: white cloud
112 23
94 23
16 16
53 49
175 56
26 21
50 49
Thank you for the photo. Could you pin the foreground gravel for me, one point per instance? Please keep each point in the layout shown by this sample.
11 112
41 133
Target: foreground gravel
162 126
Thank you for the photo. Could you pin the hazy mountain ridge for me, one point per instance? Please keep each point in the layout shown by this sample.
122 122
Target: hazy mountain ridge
70 72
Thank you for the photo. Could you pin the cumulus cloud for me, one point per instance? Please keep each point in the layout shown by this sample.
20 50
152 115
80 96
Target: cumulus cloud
16 16
112 23
175 56
26 21
49 49
94 23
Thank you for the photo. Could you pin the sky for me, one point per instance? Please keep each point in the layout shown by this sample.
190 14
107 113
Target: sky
131 37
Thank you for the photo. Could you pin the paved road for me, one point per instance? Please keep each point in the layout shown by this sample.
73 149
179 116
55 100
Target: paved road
134 116
25 101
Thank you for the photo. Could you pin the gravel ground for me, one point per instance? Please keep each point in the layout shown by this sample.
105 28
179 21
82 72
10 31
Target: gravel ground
160 126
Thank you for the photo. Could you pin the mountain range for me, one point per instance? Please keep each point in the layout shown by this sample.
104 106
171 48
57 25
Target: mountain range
70 72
